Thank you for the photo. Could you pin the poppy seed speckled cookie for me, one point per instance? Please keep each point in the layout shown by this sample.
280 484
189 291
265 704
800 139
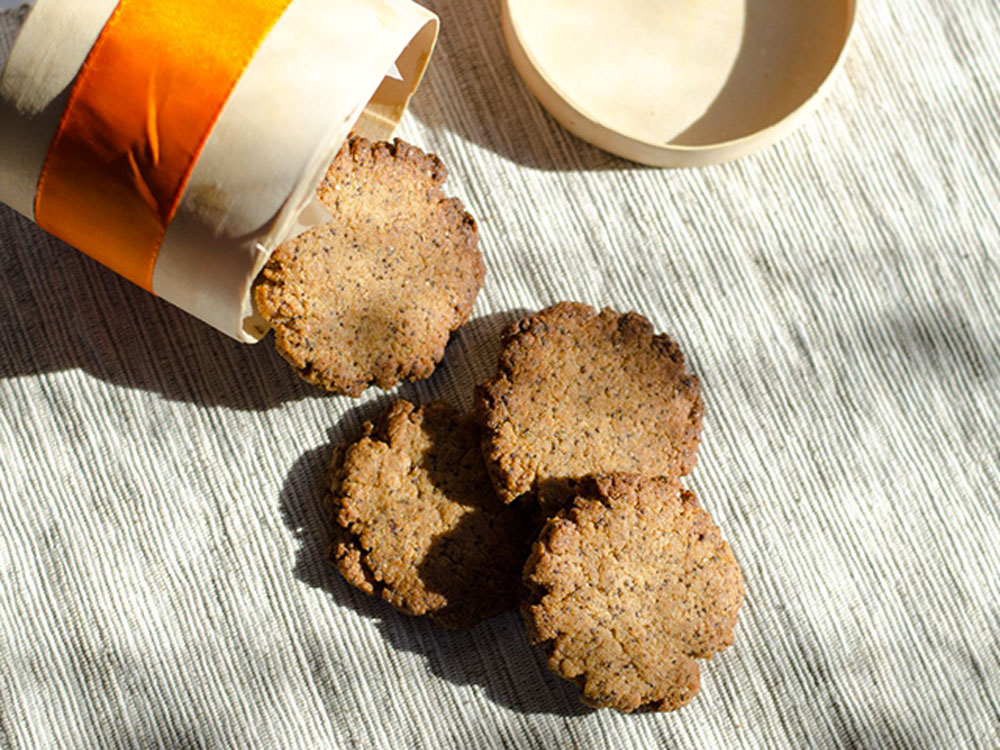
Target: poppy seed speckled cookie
627 587
420 524
372 297
580 392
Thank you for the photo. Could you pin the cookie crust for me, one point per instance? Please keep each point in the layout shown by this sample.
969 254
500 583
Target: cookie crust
580 392
418 521
373 297
627 587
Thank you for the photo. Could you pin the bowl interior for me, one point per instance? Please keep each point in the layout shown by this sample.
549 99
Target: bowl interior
682 73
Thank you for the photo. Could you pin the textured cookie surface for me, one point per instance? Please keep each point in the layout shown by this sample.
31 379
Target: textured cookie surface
580 392
629 586
420 524
373 296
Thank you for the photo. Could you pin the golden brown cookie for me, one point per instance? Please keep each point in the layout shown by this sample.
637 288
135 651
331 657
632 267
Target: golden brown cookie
373 296
627 587
420 523
579 393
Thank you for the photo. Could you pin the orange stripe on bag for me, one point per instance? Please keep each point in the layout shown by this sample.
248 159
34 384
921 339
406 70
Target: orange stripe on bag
138 116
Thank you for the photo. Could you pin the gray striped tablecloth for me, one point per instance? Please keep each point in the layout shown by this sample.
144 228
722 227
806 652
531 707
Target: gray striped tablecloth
162 581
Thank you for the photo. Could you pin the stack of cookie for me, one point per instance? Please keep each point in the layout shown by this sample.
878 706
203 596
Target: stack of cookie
560 494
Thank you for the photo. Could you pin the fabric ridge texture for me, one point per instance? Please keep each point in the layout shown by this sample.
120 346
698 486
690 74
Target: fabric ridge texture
163 580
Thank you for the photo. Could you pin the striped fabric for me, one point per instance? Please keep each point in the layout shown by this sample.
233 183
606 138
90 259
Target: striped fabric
162 579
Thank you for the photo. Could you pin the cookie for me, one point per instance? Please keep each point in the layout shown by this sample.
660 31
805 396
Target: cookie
372 297
627 587
419 523
579 393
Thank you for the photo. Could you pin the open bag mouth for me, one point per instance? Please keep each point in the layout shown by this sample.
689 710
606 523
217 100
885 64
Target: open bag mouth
319 69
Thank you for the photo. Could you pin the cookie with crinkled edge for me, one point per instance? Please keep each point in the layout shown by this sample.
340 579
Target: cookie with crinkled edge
580 392
418 521
372 297
627 587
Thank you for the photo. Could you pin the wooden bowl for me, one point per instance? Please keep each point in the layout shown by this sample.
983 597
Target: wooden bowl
678 82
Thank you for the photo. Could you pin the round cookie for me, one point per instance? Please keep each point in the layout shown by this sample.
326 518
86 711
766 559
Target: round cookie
627 588
420 524
373 296
579 393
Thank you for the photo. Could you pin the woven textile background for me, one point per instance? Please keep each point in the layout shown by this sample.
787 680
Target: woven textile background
162 580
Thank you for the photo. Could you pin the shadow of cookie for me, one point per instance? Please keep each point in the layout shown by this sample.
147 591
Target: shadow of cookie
493 656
